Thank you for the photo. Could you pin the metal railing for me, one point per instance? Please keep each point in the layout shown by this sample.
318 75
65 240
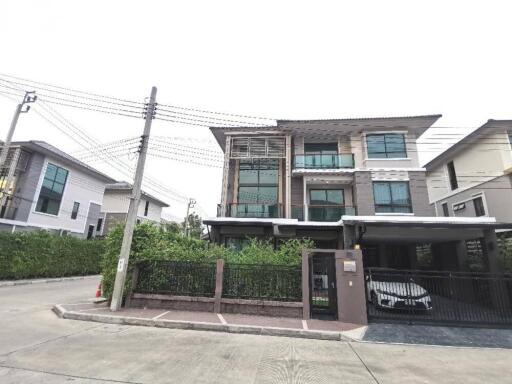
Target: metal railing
322 212
262 282
443 297
323 161
254 210
176 278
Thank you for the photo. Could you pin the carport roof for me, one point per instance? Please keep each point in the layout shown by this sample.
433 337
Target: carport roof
427 221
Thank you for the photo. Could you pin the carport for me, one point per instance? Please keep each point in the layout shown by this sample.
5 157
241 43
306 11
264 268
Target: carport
439 285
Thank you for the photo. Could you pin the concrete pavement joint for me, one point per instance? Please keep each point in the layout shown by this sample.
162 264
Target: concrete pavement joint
362 362
66 375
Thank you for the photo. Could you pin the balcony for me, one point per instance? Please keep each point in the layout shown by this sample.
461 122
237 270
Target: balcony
322 212
324 161
255 210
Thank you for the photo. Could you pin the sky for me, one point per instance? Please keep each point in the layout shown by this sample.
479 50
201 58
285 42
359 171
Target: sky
275 59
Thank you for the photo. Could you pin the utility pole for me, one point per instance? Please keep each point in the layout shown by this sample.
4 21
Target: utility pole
131 218
29 97
191 204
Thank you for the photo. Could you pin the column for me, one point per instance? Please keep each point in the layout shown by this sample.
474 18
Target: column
225 178
288 178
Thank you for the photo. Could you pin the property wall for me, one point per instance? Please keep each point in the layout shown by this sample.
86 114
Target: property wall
27 184
479 162
496 195
80 187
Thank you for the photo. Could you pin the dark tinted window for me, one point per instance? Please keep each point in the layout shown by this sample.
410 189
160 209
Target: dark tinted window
479 206
99 224
74 212
452 175
146 208
445 209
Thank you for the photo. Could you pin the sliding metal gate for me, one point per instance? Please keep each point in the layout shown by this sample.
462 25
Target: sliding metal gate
439 297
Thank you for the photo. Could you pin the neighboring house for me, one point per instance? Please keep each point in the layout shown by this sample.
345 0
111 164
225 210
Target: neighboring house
116 201
474 176
339 182
50 190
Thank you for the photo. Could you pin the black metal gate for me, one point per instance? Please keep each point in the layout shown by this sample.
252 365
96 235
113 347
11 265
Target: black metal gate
323 287
439 297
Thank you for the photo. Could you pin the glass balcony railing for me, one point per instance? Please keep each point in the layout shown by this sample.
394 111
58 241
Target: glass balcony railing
254 210
323 161
322 212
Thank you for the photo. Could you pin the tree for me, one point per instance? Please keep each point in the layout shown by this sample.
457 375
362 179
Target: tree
173 227
194 224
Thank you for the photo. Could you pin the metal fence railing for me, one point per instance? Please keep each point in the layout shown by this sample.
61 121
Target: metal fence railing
262 282
176 278
434 296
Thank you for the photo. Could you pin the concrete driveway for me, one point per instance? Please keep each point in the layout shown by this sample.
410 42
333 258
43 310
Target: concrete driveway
38 347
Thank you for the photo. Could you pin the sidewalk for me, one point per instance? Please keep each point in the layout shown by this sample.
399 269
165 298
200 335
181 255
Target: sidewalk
226 322
11 283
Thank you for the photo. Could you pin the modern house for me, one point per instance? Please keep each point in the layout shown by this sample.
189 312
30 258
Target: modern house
116 201
340 183
45 188
474 176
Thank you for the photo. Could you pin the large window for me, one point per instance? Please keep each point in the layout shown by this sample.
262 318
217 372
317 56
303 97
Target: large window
392 197
52 189
258 182
387 145
452 175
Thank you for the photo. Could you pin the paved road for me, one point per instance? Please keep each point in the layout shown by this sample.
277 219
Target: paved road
38 347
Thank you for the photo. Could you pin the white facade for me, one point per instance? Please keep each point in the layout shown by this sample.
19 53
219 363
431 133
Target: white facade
80 188
118 202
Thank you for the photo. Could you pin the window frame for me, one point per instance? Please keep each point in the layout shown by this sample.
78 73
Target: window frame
53 181
386 152
394 208
452 175
326 203
258 184
74 212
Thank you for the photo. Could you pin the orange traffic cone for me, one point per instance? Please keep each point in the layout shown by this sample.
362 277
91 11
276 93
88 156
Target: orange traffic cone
98 291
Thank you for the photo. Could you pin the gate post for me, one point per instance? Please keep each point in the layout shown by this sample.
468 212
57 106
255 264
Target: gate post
306 313
219 278
350 285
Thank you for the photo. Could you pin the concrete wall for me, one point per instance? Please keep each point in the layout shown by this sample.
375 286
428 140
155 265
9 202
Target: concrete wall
80 187
496 195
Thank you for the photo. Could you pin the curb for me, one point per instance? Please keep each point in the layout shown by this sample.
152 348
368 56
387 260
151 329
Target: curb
60 311
12 283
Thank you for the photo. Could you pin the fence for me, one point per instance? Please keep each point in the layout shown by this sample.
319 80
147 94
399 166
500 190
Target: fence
433 296
262 282
181 278
240 281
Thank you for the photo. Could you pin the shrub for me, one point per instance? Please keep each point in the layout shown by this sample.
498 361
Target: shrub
41 254
150 243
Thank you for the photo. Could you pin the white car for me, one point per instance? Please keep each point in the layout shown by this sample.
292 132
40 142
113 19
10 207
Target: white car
384 291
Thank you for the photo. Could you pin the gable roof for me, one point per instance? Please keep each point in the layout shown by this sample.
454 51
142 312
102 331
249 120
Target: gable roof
419 124
124 186
489 127
49 150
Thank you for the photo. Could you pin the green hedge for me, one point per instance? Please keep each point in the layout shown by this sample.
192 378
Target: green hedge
151 243
40 254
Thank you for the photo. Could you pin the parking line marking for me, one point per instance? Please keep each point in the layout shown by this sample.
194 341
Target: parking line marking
160 315
305 325
222 319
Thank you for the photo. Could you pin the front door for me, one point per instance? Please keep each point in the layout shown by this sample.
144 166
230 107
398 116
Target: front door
323 287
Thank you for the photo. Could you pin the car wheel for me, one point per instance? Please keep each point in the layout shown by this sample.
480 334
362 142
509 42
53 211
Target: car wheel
374 299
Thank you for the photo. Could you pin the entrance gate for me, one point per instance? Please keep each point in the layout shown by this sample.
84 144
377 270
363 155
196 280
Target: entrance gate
322 285
413 296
